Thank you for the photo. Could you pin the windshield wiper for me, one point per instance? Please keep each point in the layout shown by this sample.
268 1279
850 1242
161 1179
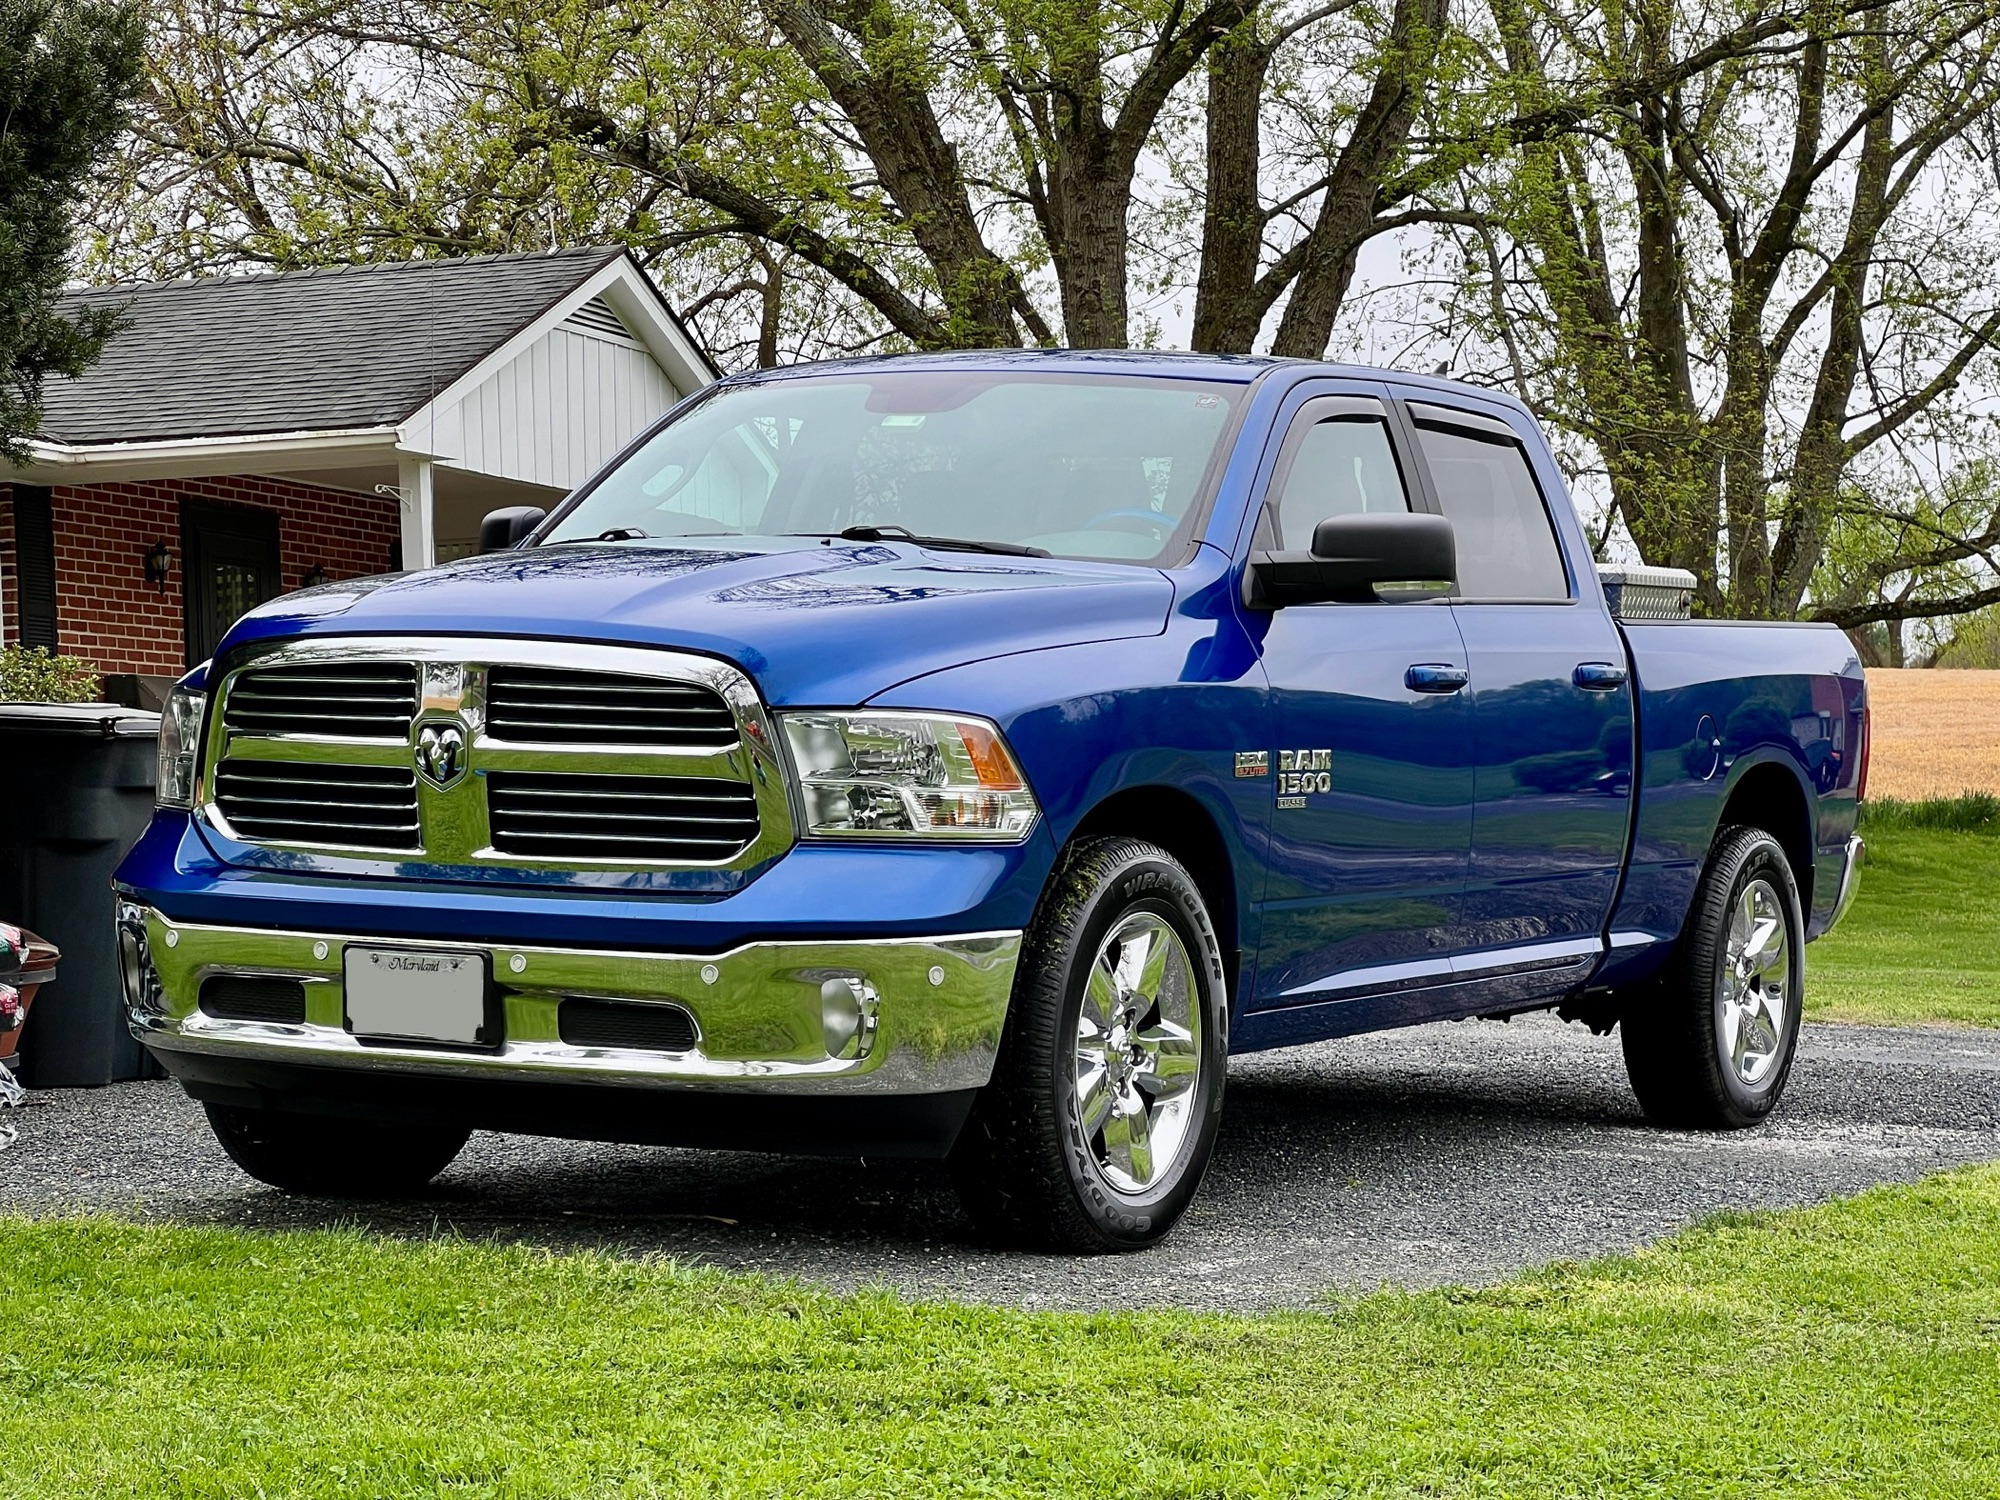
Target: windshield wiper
941 543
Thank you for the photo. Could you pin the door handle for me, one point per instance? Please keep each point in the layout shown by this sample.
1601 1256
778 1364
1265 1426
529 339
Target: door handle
1435 677
1599 676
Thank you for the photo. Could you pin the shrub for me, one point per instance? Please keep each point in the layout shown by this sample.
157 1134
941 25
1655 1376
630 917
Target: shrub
33 674
1975 812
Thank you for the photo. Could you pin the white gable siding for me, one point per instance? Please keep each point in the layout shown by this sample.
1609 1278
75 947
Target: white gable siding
558 410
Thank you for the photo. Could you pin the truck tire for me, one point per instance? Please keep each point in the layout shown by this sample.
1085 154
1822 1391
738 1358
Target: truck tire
1709 1046
1098 1122
317 1157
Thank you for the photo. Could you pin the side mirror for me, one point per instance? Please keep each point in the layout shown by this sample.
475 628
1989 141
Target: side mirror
503 529
1351 557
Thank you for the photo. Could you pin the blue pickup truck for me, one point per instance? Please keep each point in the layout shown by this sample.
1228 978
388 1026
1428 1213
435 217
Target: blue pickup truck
963 755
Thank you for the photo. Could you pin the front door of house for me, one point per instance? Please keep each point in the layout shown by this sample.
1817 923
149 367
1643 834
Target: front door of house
230 557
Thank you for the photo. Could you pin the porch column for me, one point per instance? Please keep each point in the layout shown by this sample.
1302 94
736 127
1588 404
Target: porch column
418 508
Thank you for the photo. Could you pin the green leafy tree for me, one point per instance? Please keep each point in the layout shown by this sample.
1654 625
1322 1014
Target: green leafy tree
1759 285
67 71
933 174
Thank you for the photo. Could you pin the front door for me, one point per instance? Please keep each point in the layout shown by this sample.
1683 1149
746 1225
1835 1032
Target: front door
1372 773
229 567
1553 709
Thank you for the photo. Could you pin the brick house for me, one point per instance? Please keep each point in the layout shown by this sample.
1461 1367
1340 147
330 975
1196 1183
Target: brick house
243 436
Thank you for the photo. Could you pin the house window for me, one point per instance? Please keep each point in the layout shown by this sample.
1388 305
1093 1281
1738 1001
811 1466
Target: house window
231 566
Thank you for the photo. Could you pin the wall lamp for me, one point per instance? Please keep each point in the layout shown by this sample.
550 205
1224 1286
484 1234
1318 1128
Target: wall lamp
159 559
315 576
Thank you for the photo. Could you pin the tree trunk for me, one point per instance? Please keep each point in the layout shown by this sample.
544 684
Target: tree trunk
1226 313
1820 460
1090 207
1347 211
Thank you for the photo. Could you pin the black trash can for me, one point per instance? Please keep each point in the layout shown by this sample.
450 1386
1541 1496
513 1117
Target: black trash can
76 789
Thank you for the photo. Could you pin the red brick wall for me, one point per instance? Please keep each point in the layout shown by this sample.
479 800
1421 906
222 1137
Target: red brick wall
108 613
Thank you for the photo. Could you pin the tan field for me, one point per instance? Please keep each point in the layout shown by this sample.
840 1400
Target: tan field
1937 733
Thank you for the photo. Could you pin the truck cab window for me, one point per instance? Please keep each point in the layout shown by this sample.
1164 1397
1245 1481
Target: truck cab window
1098 469
1506 547
1343 466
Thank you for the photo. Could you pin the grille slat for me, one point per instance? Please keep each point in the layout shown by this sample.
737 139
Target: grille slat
542 705
314 831
619 817
614 846
334 700
580 685
313 802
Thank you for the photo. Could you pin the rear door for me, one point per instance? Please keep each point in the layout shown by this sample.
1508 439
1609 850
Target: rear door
1552 779
1371 778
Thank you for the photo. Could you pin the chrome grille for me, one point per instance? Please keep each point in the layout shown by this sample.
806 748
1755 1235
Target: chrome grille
540 706
524 759
319 802
561 815
374 700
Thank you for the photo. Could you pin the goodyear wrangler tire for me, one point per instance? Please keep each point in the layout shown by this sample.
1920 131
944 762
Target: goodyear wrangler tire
328 1158
1711 1044
1098 1123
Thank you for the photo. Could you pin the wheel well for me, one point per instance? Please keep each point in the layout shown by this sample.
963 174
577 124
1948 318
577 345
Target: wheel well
1179 824
1769 797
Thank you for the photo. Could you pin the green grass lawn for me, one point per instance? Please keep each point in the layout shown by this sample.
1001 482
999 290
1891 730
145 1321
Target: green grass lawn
1922 941
1841 1351
1848 1350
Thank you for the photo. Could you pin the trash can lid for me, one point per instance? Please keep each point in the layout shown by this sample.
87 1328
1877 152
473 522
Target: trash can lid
107 721
25 957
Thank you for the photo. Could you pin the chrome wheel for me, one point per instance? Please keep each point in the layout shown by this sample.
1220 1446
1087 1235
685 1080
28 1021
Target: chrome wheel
1756 984
1138 1052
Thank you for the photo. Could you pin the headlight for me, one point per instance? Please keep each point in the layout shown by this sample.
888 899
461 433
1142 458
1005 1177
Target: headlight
180 746
925 776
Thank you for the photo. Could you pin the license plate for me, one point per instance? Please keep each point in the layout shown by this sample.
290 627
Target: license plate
398 994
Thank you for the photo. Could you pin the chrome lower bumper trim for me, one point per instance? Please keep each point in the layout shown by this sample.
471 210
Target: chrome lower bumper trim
1850 882
923 1015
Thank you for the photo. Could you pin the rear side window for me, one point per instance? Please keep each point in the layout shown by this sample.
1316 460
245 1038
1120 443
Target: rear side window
1342 466
1506 547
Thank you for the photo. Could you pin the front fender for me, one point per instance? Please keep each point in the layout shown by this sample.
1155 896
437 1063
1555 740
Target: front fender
1091 721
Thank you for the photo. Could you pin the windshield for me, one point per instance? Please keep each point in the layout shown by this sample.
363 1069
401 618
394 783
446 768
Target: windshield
1076 466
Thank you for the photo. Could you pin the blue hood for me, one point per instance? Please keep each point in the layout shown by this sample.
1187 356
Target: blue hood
813 623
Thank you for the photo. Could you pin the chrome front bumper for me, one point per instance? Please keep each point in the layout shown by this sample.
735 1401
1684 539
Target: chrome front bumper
886 1016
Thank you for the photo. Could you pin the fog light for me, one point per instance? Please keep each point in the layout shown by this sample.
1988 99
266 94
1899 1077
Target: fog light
847 1014
131 967
135 961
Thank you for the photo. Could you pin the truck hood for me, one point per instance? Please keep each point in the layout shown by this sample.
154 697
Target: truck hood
814 623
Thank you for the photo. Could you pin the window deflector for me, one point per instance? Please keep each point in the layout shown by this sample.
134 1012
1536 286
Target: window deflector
1313 414
1477 427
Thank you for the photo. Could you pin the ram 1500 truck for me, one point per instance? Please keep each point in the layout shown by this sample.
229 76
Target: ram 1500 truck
964 755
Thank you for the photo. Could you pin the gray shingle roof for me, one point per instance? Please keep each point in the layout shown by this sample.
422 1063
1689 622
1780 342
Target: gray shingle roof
349 346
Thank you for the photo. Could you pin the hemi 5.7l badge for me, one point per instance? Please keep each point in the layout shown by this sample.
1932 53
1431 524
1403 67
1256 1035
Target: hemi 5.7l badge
1251 763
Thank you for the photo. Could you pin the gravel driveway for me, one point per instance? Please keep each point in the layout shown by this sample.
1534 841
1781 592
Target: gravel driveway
1447 1153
